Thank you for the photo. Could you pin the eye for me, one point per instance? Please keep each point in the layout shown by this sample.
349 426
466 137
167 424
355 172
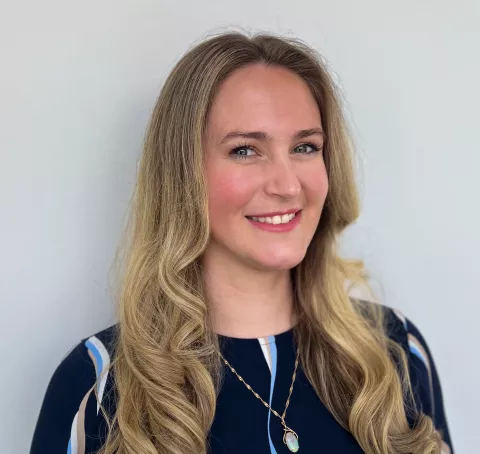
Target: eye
307 148
241 152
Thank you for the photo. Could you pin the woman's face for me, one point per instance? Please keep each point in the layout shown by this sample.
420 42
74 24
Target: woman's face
263 156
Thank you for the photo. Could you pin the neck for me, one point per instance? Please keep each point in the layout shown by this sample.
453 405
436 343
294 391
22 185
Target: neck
246 302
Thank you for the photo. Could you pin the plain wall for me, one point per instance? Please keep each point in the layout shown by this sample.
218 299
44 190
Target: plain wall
78 81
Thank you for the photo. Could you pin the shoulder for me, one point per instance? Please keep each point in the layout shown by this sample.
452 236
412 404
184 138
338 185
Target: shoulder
421 366
424 377
402 330
70 411
100 348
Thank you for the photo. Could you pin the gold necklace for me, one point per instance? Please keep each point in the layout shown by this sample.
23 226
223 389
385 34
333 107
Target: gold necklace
290 438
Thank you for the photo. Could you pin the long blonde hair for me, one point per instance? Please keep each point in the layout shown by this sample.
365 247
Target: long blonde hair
166 371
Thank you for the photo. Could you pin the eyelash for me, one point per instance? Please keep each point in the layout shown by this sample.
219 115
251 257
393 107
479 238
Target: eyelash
316 149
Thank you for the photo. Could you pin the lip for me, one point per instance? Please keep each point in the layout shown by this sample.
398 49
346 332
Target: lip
278 227
274 213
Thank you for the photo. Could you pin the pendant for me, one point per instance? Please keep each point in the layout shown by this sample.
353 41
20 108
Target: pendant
290 438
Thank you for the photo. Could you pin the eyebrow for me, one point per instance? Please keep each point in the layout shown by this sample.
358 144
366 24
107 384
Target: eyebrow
263 136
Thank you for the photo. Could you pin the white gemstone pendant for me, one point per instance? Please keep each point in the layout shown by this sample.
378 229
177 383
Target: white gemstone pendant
290 438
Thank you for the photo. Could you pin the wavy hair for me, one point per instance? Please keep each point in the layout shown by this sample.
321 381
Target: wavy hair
166 370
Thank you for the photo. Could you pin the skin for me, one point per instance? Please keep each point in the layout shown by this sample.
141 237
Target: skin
246 270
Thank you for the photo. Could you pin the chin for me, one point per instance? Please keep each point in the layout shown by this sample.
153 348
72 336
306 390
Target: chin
279 261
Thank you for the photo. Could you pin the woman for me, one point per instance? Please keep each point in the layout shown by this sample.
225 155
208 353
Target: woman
236 333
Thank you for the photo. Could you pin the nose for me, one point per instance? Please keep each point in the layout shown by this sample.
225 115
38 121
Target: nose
282 179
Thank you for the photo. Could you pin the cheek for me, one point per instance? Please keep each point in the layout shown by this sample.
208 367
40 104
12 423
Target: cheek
228 193
315 182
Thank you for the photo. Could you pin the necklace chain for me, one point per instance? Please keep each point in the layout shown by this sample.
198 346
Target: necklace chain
282 417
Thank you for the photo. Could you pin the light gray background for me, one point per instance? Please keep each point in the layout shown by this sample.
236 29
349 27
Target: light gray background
77 83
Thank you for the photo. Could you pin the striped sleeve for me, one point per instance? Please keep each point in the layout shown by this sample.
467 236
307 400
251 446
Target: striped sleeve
425 381
70 418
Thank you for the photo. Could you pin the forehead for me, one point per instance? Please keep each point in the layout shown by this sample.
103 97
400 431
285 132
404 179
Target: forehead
267 98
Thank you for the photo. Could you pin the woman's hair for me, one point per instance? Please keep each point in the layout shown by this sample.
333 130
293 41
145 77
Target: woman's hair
166 369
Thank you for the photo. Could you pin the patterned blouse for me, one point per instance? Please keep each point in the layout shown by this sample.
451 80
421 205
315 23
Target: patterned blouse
71 422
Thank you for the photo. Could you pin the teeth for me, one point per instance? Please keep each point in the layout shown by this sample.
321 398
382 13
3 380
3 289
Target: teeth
275 219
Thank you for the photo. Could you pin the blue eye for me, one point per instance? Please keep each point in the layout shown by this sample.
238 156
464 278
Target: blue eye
308 148
241 152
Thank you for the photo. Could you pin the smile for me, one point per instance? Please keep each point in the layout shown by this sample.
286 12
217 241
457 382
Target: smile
285 219
276 224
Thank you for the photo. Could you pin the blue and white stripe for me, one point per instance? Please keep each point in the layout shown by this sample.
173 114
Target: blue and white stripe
269 349
101 362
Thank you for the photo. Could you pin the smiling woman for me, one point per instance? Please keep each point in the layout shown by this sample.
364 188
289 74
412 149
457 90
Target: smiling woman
235 331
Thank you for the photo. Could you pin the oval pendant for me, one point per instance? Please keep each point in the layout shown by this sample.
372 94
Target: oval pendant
290 438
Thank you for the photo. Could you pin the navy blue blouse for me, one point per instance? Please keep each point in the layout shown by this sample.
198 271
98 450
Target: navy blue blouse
70 421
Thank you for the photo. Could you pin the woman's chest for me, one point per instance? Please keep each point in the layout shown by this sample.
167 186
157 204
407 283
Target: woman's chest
243 424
